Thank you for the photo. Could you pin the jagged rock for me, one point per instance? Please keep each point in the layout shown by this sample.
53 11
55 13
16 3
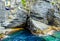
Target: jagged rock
38 25
19 20
45 12
12 17
41 9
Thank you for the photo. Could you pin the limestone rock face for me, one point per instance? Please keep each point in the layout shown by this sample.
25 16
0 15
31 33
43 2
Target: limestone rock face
45 12
19 20
41 8
44 15
11 17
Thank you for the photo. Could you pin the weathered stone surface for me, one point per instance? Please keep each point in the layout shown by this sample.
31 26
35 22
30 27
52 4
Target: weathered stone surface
41 11
12 17
46 13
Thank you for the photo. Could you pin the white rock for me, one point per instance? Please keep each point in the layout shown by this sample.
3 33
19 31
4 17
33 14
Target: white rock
39 25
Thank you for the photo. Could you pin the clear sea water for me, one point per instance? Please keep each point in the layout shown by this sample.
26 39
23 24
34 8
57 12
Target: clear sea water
25 35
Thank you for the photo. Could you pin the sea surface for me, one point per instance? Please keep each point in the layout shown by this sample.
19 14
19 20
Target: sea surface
25 35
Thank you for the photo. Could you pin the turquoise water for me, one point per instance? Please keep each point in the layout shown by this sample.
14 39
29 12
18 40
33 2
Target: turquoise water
25 35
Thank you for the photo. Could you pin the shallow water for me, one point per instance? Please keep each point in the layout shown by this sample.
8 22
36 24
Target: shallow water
25 35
